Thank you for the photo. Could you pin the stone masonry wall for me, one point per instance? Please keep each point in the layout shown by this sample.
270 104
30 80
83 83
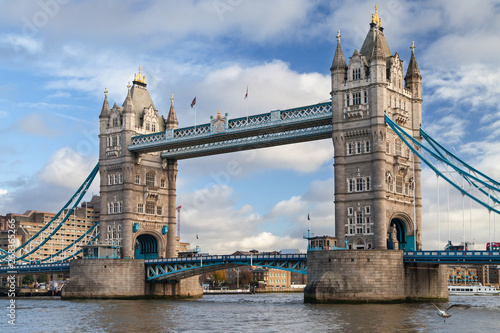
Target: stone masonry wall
355 276
105 278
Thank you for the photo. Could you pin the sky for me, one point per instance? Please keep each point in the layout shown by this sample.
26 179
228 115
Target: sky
58 56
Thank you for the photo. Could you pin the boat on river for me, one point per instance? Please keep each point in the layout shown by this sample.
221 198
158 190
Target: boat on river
473 290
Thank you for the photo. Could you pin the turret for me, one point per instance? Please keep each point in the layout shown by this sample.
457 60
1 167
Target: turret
413 79
172 117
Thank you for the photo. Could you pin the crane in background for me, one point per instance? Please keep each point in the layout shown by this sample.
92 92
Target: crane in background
178 209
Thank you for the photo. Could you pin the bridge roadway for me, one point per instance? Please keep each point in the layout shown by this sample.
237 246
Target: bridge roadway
223 135
179 268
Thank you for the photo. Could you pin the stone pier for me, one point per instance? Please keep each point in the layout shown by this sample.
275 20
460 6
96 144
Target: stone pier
374 276
122 278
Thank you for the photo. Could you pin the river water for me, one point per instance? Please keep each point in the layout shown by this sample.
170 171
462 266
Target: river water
247 313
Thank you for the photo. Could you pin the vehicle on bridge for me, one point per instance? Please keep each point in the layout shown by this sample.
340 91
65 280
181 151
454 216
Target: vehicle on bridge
461 247
493 246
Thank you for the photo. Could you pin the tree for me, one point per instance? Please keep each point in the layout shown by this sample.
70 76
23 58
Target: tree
44 278
245 277
28 279
219 277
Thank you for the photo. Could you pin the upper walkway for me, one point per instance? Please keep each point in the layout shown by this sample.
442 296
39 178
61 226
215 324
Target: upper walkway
224 135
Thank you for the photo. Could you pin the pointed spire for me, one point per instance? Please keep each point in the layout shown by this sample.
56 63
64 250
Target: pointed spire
172 117
339 59
412 71
377 51
105 111
127 104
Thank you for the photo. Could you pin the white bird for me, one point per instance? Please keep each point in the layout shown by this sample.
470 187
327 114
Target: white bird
442 313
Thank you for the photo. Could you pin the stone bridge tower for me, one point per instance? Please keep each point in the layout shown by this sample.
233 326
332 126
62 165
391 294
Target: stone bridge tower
377 179
138 192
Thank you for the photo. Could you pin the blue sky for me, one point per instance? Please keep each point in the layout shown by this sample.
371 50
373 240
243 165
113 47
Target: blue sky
56 58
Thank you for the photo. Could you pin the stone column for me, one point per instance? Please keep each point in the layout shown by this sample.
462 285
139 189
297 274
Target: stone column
340 190
172 179
379 192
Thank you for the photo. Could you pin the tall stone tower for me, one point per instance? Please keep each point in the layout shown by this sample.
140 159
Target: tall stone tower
138 192
377 179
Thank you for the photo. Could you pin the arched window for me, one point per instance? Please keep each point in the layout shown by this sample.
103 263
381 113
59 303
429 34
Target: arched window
150 178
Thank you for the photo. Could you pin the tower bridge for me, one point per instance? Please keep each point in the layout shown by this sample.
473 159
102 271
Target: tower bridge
374 120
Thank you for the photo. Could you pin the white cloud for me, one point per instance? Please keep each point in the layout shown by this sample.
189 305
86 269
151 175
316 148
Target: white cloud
3 192
22 43
66 168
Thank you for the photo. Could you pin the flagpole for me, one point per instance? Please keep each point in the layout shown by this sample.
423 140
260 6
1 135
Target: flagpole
195 118
246 97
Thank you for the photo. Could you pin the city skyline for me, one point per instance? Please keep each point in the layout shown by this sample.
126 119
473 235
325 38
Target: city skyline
57 58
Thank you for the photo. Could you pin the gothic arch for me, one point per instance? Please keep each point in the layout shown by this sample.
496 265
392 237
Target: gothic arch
359 244
153 240
401 229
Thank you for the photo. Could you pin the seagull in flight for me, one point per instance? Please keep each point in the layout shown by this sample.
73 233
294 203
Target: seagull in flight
442 313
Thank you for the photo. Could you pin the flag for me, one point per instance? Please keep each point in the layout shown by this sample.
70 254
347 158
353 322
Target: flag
196 236
308 218
246 95
193 102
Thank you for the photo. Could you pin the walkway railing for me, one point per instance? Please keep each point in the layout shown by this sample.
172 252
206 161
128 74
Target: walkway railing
222 133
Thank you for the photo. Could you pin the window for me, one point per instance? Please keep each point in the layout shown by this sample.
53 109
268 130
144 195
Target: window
347 98
366 97
359 184
349 148
121 178
358 148
109 180
115 122
114 140
356 74
147 127
137 179
350 185
158 210
367 183
153 127
387 147
359 218
150 207
150 178
162 182
356 98
397 147
399 184
350 211
367 146
140 208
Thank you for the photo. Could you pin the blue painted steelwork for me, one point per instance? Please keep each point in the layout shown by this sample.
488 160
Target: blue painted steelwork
262 140
77 242
277 127
487 191
453 257
51 228
180 268
36 268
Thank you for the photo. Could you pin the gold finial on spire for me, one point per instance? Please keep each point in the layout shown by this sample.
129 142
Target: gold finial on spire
139 77
375 19
412 47
172 98
106 91
338 35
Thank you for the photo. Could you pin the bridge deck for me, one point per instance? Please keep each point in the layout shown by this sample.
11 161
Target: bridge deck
223 135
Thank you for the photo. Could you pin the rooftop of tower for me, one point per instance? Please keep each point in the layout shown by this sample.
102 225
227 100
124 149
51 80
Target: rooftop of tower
369 43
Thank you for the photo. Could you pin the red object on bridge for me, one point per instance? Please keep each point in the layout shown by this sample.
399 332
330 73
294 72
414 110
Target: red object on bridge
493 246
